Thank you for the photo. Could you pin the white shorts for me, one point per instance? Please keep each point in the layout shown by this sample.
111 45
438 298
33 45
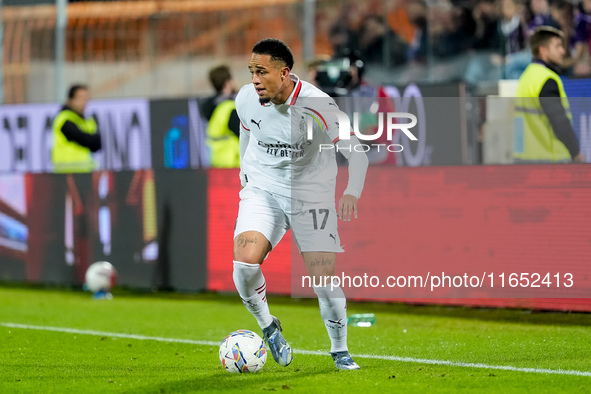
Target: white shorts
313 225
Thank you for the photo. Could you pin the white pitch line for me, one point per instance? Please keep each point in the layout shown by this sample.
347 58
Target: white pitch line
109 334
300 351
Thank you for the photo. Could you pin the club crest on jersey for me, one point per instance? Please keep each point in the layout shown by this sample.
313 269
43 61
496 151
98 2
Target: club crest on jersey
303 125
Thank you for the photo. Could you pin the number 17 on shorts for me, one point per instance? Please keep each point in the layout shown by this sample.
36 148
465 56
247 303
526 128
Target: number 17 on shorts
315 228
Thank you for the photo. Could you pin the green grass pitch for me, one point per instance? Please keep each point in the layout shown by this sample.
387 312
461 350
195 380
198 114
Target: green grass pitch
42 361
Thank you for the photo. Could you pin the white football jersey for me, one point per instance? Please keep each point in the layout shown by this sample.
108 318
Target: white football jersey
280 158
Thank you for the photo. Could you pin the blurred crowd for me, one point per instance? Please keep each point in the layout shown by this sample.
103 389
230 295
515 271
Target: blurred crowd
417 31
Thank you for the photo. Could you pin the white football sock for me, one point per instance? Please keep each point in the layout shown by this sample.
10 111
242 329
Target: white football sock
251 286
333 309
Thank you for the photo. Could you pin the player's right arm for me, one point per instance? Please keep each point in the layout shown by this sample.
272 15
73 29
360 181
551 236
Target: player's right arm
244 130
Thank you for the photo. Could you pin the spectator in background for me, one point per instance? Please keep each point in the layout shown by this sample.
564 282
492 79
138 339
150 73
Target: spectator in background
75 137
562 12
540 12
486 17
511 29
581 39
501 32
223 128
484 65
375 38
512 40
342 39
399 20
417 15
452 30
543 129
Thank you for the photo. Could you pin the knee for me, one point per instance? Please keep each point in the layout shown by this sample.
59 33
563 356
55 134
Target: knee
252 254
248 256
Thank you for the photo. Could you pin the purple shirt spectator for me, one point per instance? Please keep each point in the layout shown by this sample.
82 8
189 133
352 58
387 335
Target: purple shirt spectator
582 28
542 20
515 37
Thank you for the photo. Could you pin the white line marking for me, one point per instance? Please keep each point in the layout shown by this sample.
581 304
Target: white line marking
299 351
109 334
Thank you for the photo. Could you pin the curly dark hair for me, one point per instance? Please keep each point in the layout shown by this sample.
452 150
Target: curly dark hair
277 49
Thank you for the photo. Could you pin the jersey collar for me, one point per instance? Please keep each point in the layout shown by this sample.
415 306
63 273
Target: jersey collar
296 90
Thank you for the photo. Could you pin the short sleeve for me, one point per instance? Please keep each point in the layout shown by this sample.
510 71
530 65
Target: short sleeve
241 107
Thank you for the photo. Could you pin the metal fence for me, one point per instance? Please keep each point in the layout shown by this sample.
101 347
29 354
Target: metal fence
137 48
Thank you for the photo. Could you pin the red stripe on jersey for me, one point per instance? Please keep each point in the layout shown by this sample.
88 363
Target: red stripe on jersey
296 94
321 117
337 139
244 126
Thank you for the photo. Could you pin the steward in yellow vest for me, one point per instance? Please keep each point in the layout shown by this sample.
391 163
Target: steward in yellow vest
543 130
223 129
74 137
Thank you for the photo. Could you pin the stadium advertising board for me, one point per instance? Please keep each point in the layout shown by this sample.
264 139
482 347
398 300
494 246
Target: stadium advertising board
439 112
137 220
79 219
518 226
178 134
125 128
26 135
579 93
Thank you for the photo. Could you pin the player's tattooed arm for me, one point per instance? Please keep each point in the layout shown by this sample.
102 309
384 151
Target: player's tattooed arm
242 241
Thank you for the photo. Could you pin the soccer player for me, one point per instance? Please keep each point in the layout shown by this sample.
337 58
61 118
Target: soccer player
288 182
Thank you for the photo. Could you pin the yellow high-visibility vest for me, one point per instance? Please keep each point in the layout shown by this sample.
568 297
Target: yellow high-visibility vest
534 139
224 145
68 156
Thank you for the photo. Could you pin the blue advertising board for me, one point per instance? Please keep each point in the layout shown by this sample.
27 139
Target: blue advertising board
579 97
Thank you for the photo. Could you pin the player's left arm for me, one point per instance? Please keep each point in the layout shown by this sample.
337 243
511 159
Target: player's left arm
358 161
358 164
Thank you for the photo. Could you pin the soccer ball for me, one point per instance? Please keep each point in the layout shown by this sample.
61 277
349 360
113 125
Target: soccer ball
243 351
101 277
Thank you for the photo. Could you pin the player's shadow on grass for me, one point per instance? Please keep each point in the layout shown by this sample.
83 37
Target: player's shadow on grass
219 380
521 316
501 315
